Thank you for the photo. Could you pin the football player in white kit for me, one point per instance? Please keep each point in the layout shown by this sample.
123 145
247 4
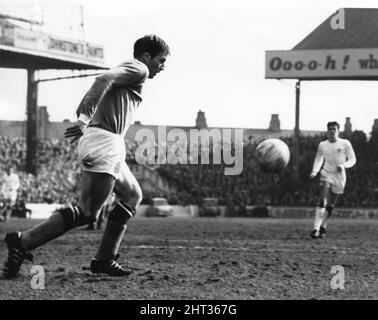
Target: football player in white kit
333 157
104 116
10 185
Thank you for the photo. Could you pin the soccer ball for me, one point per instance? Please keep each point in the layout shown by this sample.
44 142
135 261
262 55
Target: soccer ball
273 155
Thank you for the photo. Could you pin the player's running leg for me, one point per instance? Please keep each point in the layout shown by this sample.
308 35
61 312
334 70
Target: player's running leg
320 209
329 210
2 219
96 187
129 196
7 212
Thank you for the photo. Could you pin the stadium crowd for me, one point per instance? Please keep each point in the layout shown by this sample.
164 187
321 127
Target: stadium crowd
58 170
59 175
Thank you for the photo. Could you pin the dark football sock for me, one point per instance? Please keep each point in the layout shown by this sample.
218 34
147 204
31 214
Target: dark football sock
114 231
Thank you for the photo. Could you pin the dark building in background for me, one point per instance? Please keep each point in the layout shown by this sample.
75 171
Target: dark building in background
347 127
274 124
201 120
55 130
375 126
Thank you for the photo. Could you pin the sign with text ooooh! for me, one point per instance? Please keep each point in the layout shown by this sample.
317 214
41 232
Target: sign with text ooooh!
322 64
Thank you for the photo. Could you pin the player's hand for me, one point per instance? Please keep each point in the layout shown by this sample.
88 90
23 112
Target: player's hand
75 131
313 174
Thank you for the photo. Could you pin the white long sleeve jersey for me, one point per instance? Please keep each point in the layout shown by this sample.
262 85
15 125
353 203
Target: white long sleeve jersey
11 183
333 154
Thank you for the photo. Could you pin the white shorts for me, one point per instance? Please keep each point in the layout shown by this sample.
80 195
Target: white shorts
102 151
335 180
9 195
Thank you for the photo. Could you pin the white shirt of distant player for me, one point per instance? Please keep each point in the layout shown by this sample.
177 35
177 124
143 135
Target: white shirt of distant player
10 185
333 154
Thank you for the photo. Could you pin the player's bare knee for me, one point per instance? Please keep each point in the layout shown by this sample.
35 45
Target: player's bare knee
133 197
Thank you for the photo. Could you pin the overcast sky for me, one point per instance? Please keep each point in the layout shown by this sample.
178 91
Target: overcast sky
217 63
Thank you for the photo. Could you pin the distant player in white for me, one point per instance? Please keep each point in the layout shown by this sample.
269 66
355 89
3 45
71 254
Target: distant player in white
9 187
337 155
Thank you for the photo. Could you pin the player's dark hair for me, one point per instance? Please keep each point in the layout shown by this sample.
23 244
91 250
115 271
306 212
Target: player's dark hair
151 44
333 124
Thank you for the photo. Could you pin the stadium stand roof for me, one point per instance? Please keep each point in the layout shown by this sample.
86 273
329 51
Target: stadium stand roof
361 31
27 59
33 50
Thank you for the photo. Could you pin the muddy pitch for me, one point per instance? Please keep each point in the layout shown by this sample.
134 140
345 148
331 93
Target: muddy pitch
208 258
